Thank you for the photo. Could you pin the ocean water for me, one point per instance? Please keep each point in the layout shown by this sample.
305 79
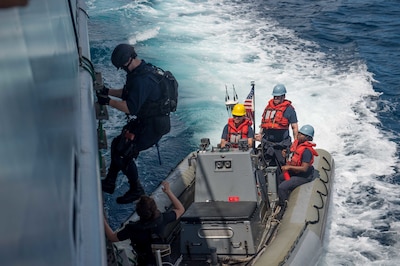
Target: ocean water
340 63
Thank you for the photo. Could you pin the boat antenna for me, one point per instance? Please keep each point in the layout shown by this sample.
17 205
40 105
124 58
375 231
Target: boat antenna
235 97
228 102
226 98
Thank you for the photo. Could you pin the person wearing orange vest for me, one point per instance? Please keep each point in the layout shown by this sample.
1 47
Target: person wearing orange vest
238 127
299 169
278 115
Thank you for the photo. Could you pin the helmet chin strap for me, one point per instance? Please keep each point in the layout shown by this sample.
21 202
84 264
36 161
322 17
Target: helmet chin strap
126 68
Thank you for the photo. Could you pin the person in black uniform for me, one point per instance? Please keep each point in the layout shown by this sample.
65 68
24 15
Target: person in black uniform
142 98
149 229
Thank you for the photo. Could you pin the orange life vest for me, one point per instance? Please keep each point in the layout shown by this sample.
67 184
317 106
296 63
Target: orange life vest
237 133
298 150
273 118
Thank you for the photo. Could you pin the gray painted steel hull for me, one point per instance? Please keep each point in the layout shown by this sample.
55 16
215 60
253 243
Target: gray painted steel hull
50 201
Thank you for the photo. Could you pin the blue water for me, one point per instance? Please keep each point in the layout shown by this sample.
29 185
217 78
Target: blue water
340 63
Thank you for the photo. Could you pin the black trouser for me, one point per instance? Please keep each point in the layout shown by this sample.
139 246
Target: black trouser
147 133
287 186
119 163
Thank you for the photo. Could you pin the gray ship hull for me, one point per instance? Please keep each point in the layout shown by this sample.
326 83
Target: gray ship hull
50 199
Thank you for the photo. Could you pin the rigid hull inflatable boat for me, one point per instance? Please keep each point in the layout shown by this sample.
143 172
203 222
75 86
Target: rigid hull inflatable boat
232 215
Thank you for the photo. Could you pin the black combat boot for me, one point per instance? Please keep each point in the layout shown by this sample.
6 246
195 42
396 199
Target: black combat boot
108 185
133 194
281 207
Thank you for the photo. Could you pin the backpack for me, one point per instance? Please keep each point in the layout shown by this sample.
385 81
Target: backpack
169 86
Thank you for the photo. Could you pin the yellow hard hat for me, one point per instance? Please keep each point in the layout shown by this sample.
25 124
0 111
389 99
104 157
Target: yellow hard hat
239 110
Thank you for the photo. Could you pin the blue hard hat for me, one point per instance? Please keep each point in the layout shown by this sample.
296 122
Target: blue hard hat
307 130
279 90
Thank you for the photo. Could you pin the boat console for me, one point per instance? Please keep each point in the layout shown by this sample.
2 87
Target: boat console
225 215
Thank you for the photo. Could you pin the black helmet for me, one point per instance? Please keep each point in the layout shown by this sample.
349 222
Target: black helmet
121 54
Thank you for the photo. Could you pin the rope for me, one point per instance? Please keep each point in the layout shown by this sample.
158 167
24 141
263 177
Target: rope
86 64
322 194
324 182
158 152
84 11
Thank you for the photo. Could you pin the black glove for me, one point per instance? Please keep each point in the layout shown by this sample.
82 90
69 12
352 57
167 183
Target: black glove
104 90
103 99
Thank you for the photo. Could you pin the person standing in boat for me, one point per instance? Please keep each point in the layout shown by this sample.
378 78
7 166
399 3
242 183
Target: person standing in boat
141 97
150 227
238 127
299 169
278 115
